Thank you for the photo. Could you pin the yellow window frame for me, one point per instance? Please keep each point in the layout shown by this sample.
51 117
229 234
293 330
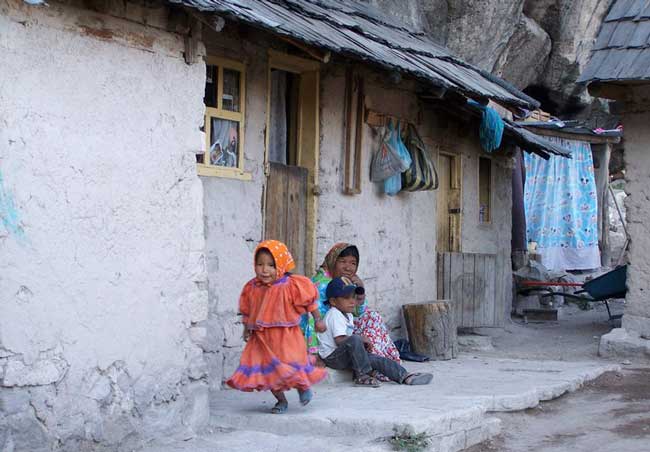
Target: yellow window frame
490 184
208 169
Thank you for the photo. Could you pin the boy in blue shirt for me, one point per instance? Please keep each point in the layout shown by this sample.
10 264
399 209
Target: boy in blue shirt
340 349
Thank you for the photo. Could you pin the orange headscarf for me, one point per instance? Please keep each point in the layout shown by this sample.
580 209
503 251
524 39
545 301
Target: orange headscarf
281 255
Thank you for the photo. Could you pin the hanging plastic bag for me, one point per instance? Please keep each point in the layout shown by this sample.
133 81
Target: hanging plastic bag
393 184
389 158
422 174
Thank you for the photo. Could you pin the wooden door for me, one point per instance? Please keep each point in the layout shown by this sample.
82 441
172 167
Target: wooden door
448 199
473 284
286 209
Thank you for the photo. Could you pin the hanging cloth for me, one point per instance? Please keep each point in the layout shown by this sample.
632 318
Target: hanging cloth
561 204
491 130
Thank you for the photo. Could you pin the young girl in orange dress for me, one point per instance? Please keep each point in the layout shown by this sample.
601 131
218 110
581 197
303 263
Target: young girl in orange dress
271 304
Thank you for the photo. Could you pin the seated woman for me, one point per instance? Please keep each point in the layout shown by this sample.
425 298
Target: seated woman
343 260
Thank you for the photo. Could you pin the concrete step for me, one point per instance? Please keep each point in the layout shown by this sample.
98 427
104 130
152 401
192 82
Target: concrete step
453 411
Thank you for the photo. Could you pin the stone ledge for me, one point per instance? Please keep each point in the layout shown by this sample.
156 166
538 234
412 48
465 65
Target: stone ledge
621 343
453 410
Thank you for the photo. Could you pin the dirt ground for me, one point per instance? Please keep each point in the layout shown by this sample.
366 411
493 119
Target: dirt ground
574 337
610 414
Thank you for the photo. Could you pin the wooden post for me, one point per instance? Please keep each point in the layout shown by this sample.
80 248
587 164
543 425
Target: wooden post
432 329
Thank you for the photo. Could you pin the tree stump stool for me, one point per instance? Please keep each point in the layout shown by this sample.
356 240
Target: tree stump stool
432 329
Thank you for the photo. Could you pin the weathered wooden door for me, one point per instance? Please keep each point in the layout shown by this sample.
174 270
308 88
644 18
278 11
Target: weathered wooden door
448 200
286 209
474 285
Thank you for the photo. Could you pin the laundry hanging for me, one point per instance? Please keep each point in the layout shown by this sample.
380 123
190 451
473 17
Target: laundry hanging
561 207
491 129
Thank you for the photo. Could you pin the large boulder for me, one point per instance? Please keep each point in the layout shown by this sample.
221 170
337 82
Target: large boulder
539 43
573 26
524 58
479 31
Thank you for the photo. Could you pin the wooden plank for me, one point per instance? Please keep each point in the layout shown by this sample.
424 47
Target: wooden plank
296 220
467 289
490 290
276 192
309 153
358 135
501 299
440 276
477 300
442 208
479 305
487 299
447 277
455 274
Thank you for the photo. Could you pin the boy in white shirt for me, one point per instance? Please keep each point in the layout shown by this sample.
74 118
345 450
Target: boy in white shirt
341 349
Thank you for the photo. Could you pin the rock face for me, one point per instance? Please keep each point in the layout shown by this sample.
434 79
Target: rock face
542 45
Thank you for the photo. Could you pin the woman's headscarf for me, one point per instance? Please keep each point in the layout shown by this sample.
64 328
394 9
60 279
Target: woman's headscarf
281 255
333 254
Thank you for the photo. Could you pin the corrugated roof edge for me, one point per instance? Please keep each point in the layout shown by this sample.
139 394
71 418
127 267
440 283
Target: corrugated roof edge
519 99
531 142
507 86
569 129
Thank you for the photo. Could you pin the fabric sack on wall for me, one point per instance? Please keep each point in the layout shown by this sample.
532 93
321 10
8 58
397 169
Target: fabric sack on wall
389 159
422 174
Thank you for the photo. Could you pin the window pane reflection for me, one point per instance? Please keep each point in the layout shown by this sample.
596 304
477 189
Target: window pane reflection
230 98
224 142
211 81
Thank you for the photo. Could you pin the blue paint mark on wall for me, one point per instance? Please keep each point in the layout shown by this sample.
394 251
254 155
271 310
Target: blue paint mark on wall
8 212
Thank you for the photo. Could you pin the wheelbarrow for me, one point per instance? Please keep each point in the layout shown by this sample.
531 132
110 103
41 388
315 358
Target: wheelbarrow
603 288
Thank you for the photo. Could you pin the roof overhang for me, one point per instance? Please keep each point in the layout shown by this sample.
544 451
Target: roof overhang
357 31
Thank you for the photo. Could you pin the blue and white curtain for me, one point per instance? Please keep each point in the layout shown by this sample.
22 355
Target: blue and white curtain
561 204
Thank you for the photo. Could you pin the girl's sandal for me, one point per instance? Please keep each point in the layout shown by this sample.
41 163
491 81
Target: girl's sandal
417 379
367 380
305 396
280 408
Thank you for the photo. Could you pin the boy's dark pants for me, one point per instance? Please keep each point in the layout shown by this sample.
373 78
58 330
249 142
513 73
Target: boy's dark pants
352 354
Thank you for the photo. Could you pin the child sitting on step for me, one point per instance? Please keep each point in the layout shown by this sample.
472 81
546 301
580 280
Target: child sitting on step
271 304
340 349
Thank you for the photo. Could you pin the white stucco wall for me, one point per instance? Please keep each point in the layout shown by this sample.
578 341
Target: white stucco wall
102 278
637 166
396 236
233 210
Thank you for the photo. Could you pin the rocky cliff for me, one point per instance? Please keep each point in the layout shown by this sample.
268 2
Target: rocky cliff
538 45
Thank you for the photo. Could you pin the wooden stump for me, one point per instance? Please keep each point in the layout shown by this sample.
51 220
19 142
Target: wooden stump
432 329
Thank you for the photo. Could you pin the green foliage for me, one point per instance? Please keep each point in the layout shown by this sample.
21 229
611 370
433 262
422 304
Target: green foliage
408 441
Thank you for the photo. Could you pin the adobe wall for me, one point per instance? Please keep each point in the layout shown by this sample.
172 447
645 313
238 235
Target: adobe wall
396 235
102 278
233 208
636 118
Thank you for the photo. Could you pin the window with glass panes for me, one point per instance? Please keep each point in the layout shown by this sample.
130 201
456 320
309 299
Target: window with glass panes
224 118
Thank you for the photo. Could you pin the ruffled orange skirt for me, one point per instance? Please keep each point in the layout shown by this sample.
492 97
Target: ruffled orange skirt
275 359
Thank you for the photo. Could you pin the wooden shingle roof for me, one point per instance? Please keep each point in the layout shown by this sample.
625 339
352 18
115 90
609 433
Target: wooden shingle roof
622 49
